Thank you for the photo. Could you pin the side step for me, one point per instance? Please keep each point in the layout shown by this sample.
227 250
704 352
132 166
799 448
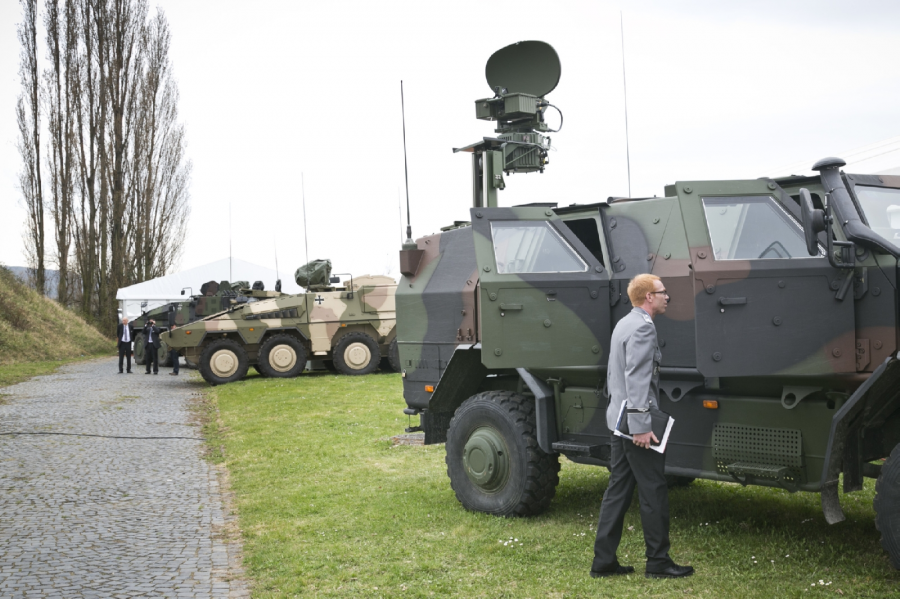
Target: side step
758 470
582 449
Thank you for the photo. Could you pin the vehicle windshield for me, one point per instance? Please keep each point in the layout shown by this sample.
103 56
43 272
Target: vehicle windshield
882 209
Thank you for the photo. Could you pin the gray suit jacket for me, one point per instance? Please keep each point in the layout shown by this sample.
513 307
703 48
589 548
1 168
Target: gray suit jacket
633 371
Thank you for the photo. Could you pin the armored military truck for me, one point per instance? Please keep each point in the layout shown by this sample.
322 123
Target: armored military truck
779 345
213 298
351 327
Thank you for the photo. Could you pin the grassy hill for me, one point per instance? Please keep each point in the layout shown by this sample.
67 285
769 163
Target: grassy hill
37 334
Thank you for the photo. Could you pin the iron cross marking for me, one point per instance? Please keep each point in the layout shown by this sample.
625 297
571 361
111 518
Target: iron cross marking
319 300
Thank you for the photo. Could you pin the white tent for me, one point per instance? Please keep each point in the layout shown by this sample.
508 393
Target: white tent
145 296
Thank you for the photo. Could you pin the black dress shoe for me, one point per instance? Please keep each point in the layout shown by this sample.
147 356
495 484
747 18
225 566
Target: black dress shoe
673 571
616 570
120 372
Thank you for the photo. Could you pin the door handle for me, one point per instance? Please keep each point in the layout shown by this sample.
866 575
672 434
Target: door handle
508 307
732 301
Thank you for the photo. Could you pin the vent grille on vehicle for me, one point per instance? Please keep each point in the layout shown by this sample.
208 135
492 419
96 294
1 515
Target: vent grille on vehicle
757 446
288 313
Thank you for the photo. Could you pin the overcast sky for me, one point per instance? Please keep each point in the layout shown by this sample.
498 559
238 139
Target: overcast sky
271 91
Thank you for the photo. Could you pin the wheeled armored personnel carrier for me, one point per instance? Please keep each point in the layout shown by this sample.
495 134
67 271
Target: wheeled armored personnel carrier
779 345
213 298
350 327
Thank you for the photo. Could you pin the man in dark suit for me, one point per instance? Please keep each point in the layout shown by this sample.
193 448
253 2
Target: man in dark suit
632 379
124 335
151 346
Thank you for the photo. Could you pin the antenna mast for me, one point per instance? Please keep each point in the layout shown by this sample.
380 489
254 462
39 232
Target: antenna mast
405 167
625 94
229 242
305 238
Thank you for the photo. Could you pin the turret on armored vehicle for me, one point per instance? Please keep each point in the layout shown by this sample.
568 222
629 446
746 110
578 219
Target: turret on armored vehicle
213 298
350 326
779 345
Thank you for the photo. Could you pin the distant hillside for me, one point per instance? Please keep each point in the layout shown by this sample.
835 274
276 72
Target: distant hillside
35 328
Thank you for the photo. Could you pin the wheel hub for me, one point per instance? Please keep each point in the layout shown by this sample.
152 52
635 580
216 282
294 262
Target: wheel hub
224 363
357 356
486 459
282 358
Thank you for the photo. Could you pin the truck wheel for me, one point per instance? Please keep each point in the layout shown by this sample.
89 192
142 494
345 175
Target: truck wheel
258 370
393 356
139 358
673 481
223 361
356 353
282 356
887 506
493 459
164 357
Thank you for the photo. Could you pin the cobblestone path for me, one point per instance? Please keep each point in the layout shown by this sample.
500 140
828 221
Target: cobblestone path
99 516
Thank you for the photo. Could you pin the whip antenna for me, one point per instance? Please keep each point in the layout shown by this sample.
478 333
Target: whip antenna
230 279
625 94
305 238
405 167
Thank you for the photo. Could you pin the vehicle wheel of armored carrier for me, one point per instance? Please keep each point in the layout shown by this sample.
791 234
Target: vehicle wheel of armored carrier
887 506
165 358
223 361
356 353
282 356
392 361
258 370
139 358
493 459
673 481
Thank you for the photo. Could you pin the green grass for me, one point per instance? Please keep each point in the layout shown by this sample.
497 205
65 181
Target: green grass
329 508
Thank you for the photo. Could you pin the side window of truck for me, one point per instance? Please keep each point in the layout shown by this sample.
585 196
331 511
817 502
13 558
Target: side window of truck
585 229
532 247
752 228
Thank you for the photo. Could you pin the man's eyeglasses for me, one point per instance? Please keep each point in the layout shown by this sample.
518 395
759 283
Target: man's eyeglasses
664 292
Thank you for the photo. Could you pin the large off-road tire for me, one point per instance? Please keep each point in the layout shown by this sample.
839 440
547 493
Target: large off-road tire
258 370
887 506
139 357
356 353
391 362
223 361
165 358
493 458
282 356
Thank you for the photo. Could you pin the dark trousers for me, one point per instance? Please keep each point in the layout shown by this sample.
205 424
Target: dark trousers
632 466
151 354
124 352
173 357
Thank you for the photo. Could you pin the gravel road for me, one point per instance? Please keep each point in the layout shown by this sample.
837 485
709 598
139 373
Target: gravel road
122 504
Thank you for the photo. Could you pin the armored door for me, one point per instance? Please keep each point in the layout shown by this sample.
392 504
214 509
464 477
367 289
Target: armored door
763 305
544 298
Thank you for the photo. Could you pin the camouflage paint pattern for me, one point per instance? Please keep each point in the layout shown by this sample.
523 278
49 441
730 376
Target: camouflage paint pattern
318 319
763 359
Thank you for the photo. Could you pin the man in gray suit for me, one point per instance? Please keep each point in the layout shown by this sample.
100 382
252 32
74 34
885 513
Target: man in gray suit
633 377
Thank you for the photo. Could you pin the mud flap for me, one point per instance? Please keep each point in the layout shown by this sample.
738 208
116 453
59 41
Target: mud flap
879 388
545 410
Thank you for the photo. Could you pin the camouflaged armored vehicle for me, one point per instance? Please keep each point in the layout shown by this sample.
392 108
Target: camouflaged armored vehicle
351 328
213 298
779 345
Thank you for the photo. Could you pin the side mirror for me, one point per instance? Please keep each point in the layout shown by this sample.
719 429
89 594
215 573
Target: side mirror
813 222
334 280
182 292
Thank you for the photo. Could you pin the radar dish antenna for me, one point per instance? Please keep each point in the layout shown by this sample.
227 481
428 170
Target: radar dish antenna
530 67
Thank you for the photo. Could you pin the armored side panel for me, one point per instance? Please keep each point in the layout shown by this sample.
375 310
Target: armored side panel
436 311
